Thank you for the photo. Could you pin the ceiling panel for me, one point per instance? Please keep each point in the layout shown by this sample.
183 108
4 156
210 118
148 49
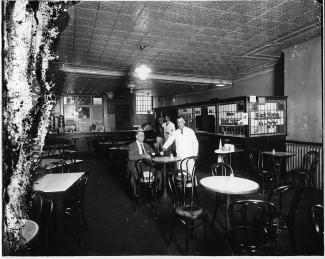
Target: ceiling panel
199 39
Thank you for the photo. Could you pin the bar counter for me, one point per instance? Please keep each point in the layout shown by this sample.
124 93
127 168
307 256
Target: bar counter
85 140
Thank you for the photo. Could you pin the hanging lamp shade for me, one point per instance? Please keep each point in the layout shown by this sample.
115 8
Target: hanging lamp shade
142 71
110 94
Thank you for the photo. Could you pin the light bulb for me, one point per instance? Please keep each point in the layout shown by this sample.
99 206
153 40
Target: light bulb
143 71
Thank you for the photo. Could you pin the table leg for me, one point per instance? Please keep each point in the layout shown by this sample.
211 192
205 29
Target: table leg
58 229
220 158
165 181
227 216
277 169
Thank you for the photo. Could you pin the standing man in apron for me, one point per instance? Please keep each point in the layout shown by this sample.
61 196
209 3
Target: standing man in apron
186 142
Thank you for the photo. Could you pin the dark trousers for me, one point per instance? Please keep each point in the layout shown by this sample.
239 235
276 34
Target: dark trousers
133 178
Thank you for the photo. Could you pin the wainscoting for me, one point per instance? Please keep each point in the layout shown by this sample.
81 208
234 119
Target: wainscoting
300 149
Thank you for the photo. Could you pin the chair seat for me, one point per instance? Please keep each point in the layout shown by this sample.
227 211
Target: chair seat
250 238
179 177
189 211
265 172
188 184
300 171
147 177
280 221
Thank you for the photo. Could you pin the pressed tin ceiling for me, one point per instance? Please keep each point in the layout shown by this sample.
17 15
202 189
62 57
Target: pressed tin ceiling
203 39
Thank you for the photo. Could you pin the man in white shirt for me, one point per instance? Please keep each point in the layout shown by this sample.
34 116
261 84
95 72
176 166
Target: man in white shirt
169 127
185 140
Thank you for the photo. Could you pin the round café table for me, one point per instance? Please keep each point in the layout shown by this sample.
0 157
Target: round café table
222 153
229 185
165 160
278 157
29 230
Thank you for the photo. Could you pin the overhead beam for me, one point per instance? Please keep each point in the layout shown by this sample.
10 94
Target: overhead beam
113 73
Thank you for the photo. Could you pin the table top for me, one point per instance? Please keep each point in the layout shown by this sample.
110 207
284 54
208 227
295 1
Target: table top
278 153
220 151
56 182
54 146
29 230
165 159
49 163
229 184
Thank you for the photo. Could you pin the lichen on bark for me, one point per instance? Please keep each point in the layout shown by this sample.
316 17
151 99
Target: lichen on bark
31 76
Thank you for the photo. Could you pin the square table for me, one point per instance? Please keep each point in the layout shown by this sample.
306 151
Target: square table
56 186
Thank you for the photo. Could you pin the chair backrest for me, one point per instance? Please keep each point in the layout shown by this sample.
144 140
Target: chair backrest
310 161
189 164
145 171
251 214
253 160
60 168
77 191
317 213
251 226
290 195
82 186
41 211
181 191
221 169
256 160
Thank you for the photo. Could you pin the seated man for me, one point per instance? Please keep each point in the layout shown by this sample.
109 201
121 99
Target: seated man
138 150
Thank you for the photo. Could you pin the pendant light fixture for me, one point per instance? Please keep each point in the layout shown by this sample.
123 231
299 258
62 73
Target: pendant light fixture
142 71
110 94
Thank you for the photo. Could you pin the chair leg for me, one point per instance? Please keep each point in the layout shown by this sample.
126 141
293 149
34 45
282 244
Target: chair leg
191 233
187 235
293 240
196 195
263 185
312 181
172 231
215 210
205 227
82 217
155 196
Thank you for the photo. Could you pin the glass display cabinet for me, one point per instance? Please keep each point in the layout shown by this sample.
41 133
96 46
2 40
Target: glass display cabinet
205 118
252 116
187 114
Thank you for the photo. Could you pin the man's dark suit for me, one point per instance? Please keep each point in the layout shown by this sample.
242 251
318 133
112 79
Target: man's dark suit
134 155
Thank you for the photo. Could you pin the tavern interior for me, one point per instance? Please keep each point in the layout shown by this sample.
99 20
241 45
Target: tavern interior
226 58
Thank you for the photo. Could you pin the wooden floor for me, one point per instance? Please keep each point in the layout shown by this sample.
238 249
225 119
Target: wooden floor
115 228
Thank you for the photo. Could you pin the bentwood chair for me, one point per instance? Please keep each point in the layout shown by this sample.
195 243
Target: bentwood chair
60 167
251 230
284 219
185 211
41 212
189 165
317 215
266 175
220 169
147 184
74 209
307 170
